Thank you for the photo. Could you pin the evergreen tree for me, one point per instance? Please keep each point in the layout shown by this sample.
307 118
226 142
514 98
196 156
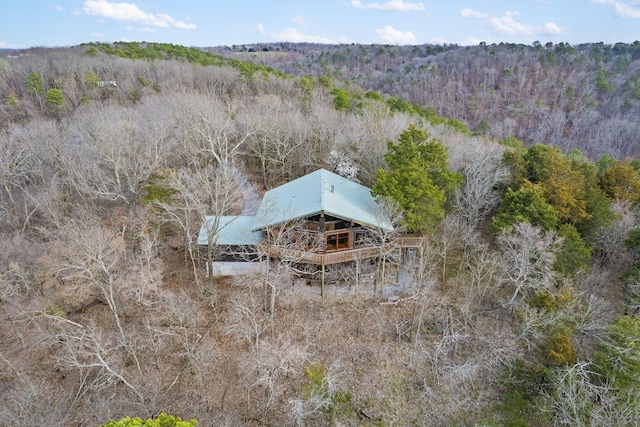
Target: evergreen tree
525 205
417 178
162 420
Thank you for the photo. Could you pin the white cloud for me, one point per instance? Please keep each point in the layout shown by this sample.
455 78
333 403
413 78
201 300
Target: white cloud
293 35
298 20
552 28
260 28
184 25
391 35
398 5
509 26
626 9
130 12
470 13
97 34
59 8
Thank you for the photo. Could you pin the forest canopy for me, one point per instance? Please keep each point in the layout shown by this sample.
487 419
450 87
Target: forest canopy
515 168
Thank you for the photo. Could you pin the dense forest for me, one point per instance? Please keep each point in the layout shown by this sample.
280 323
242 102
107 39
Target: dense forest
516 163
585 96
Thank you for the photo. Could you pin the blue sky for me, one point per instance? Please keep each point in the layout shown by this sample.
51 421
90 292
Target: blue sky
28 23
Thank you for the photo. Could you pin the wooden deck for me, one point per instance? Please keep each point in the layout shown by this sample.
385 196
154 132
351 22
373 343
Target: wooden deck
409 241
336 257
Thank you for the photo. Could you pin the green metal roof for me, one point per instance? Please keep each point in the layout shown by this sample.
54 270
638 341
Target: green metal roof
321 191
232 230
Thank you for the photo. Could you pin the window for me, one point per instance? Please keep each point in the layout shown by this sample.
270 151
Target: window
338 241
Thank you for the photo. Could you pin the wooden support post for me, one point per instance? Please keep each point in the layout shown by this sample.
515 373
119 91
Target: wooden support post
266 284
322 285
398 264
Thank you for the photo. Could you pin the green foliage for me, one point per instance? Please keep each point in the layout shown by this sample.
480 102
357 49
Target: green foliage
606 161
514 143
134 95
602 84
513 410
326 81
562 184
12 101
633 241
372 94
558 348
35 84
521 383
399 105
598 205
316 376
91 79
334 403
306 83
54 310
621 181
543 301
482 128
55 99
418 179
156 191
165 51
454 124
574 255
618 360
341 100
163 420
524 205
514 161
631 285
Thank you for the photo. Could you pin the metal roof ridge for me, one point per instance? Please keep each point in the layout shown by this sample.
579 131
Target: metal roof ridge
322 177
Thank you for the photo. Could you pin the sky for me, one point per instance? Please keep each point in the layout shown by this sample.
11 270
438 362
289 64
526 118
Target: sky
203 23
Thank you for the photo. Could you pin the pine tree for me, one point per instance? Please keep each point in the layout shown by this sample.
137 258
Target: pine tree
417 178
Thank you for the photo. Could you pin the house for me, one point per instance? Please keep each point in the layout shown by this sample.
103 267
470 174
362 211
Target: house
232 234
321 218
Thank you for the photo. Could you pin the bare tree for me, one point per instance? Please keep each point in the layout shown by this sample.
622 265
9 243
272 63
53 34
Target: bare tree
282 134
18 166
609 241
527 257
483 172
247 318
577 397
271 366
112 153
198 193
87 348
383 236
94 257
29 401
288 242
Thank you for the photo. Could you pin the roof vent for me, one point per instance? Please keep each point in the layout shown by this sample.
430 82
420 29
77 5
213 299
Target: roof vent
332 188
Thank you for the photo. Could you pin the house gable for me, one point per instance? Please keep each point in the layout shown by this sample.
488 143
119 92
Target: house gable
320 191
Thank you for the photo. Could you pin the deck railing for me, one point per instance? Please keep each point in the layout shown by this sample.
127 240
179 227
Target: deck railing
328 258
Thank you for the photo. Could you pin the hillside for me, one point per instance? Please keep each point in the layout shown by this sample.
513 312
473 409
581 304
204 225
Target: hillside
521 308
584 97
